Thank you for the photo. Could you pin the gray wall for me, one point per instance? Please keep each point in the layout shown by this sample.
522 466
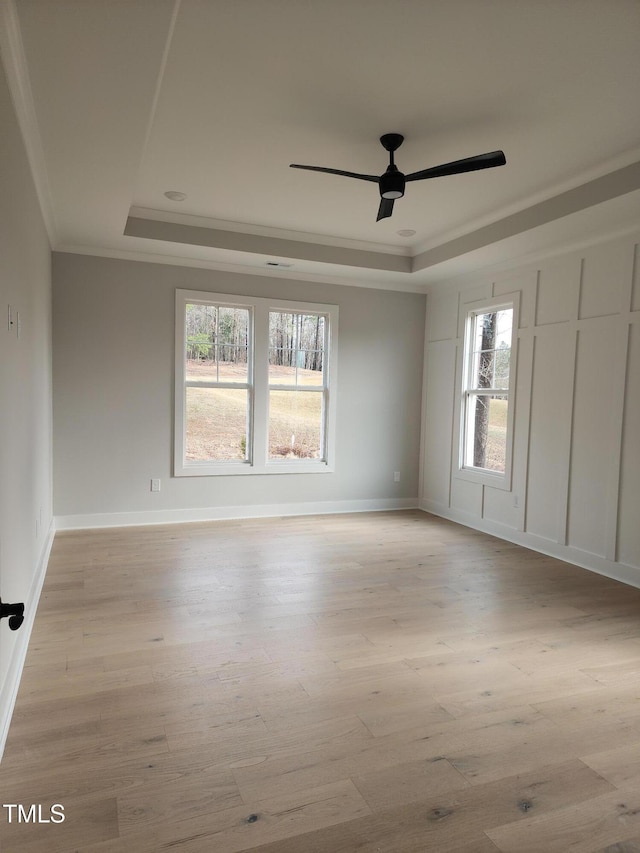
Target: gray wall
576 460
25 395
113 323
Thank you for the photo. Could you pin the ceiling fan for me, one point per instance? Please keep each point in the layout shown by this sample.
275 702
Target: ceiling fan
392 182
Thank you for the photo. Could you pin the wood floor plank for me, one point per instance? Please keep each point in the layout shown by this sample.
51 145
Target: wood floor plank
285 772
455 820
372 683
272 819
504 693
409 782
582 828
189 797
631 845
621 766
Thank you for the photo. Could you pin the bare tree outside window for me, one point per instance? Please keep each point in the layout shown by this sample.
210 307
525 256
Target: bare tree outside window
485 377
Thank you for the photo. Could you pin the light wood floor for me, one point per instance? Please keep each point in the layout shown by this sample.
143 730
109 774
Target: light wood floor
380 683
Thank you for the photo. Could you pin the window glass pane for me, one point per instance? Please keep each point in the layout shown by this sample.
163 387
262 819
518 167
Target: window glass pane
310 367
282 366
501 361
295 424
486 439
216 343
232 364
296 348
491 342
232 344
200 328
216 424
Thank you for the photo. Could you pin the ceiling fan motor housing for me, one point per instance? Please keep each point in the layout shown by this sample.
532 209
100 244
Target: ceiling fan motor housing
392 183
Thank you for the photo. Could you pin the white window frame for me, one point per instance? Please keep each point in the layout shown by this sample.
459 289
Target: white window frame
258 386
469 311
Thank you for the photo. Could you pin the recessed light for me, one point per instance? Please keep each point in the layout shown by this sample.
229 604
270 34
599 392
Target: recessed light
406 232
174 195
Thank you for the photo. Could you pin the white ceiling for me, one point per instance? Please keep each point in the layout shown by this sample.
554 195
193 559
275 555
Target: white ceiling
122 100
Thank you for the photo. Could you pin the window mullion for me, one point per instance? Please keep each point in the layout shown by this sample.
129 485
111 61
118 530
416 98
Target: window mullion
195 383
292 387
261 385
488 392
180 389
216 342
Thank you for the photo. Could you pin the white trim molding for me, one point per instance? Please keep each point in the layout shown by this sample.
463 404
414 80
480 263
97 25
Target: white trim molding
622 572
229 513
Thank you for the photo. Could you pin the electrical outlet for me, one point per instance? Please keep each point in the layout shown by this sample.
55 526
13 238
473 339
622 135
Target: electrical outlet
396 476
155 485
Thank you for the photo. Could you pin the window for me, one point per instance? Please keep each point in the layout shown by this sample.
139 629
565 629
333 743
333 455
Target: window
217 382
487 412
255 385
297 391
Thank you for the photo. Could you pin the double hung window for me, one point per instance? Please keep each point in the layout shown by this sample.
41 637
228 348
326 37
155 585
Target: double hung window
297 391
255 385
487 411
217 381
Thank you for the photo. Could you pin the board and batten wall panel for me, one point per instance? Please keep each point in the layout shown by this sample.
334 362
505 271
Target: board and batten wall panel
635 295
605 278
558 290
628 541
440 368
575 486
549 431
594 427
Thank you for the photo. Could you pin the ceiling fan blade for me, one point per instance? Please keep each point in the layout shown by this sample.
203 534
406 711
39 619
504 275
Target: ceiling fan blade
386 208
336 172
469 164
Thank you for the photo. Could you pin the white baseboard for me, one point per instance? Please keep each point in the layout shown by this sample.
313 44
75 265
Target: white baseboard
11 684
220 513
622 572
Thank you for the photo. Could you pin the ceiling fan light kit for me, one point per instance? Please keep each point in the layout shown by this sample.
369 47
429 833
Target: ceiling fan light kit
392 182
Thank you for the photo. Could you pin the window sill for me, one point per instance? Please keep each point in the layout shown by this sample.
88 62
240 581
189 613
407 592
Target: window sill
485 477
243 469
